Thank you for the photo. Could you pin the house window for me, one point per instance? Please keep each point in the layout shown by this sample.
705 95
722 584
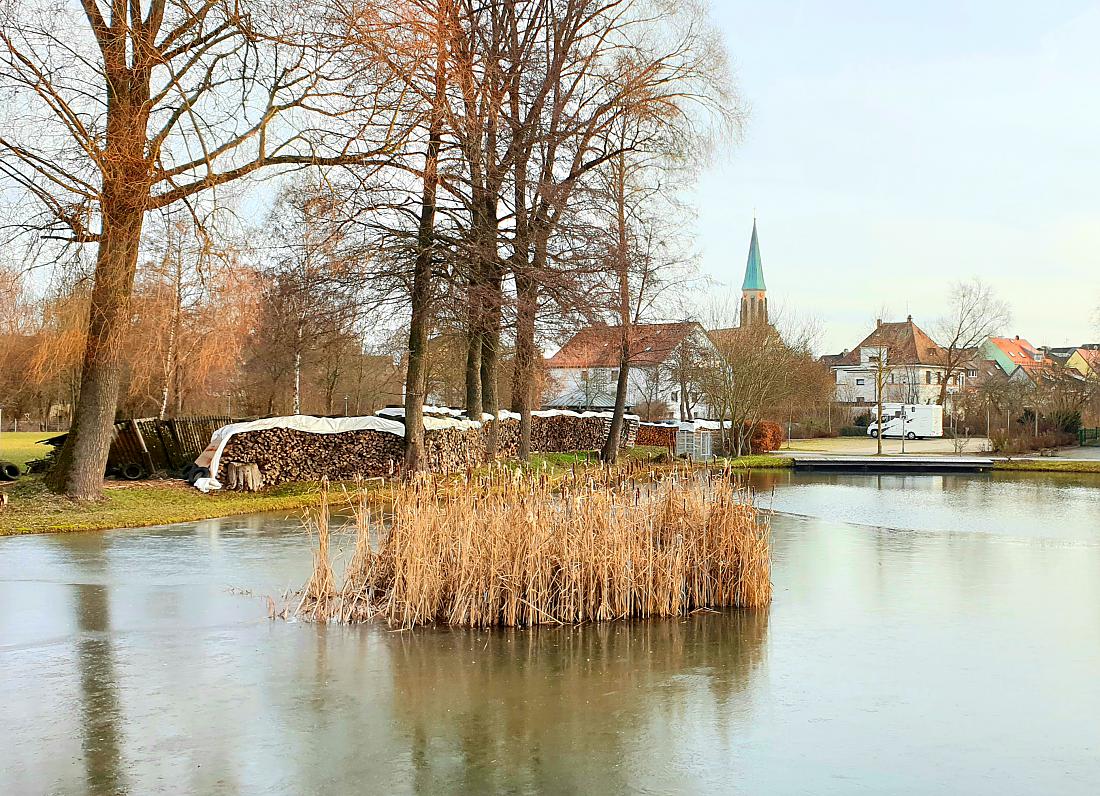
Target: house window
676 395
927 377
860 382
970 374
584 375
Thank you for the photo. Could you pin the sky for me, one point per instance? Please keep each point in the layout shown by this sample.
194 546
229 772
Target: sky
892 149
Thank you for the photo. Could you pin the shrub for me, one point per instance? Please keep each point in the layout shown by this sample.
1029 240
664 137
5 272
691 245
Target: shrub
1066 420
767 436
1002 443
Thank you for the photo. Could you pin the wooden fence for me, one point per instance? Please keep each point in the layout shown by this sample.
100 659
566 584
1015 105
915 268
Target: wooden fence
155 444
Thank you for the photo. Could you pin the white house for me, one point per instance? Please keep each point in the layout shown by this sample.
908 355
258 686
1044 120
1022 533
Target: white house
664 363
913 369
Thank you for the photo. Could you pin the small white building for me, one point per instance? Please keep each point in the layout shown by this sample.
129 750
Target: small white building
695 439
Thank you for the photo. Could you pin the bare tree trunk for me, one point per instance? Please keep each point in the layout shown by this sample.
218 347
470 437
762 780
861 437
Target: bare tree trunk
416 373
490 347
473 369
523 372
80 467
610 450
298 369
173 335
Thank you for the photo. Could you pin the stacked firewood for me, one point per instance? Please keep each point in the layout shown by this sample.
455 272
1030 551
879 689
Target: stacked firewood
507 437
284 454
630 432
451 450
566 433
657 436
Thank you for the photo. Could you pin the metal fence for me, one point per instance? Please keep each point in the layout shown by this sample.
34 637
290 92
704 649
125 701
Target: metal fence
1089 436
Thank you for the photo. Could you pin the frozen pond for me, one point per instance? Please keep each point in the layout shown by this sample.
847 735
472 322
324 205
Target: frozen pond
928 634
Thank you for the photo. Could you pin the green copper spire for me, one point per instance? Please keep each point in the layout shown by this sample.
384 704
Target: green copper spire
754 271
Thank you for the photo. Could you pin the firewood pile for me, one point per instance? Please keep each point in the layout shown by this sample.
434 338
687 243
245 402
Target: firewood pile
285 454
451 450
662 436
567 433
507 431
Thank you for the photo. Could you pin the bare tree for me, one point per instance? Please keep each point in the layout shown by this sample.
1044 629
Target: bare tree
602 65
973 315
136 107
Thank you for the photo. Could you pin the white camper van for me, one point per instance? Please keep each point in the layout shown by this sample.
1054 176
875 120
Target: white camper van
915 421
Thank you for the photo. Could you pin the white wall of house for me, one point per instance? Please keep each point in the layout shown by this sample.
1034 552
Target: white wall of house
904 383
645 384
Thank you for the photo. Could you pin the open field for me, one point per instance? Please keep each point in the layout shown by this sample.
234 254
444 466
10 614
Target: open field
20 447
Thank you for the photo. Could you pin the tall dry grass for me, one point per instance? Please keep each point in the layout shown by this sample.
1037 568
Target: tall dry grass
512 549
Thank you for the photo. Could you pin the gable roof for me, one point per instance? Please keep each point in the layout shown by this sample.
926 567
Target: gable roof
599 346
906 342
1091 357
1020 352
754 270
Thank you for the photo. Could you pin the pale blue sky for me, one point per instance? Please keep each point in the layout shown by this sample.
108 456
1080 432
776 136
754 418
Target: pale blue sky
893 147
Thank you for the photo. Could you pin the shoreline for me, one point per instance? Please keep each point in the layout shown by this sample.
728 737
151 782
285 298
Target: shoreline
34 510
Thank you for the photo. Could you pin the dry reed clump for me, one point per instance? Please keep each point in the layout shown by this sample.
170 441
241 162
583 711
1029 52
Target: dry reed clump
511 549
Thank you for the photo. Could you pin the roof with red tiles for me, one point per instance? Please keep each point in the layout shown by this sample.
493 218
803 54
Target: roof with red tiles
906 343
1020 352
599 346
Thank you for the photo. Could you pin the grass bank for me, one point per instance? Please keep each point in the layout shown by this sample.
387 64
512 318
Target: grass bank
21 446
34 509
759 462
1050 465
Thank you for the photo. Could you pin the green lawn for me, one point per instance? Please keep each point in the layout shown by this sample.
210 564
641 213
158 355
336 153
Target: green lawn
1051 465
759 462
20 447
34 509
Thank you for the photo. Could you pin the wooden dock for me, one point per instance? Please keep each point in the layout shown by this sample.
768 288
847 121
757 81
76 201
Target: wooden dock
894 464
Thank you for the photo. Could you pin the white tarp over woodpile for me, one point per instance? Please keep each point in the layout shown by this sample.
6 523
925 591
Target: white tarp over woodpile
211 457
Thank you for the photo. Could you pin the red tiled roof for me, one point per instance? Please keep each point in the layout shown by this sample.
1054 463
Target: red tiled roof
599 346
1021 352
906 342
1091 357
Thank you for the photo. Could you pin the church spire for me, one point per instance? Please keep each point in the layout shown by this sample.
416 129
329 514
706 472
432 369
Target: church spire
754 271
754 295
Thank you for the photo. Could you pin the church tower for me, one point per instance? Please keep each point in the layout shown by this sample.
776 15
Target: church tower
754 296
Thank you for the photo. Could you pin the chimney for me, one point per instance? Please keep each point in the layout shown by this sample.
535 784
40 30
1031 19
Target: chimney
1017 338
878 323
910 319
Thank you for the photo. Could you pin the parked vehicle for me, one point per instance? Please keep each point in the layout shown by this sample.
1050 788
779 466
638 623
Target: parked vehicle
914 421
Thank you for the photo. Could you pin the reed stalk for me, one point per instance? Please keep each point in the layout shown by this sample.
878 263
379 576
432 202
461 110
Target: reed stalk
508 548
